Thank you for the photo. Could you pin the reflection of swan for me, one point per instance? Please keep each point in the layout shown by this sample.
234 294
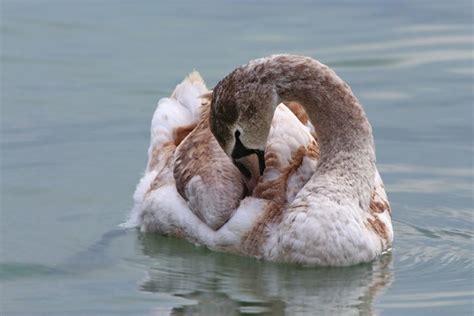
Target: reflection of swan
339 217
219 284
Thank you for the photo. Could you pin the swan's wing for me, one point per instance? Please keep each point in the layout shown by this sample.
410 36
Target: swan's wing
206 177
291 155
301 114
173 119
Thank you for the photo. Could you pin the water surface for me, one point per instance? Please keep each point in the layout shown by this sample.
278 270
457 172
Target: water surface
80 81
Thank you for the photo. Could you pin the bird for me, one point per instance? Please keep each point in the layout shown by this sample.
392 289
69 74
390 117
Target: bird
292 159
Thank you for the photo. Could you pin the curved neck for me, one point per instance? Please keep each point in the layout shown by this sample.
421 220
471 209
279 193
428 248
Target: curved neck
347 159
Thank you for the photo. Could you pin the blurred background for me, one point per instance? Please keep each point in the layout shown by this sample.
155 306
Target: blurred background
80 80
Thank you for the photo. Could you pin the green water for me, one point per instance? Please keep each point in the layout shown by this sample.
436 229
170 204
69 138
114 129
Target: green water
79 83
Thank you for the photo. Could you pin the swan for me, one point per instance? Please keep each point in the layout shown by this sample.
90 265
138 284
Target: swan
299 188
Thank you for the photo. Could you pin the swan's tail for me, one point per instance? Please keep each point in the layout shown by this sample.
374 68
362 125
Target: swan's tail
179 111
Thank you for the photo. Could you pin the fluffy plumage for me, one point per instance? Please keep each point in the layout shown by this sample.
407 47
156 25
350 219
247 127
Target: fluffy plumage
192 190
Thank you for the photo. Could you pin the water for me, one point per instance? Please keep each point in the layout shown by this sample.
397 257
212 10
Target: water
80 80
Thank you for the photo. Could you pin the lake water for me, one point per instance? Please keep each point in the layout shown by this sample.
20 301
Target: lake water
80 80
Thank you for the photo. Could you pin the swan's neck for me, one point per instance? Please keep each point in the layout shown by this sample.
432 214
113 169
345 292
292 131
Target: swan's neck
347 162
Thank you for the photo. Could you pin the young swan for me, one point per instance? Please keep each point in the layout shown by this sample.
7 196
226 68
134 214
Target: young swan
332 220
283 220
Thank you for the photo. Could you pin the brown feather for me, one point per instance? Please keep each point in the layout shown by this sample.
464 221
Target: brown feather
378 227
275 191
218 185
298 111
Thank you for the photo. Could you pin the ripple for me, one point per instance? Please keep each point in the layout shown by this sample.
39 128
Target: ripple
425 28
426 303
403 44
440 233
367 62
431 170
15 270
436 56
429 179
384 95
423 252
429 185
463 71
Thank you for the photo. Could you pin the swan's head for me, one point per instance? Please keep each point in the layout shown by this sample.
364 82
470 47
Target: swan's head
240 119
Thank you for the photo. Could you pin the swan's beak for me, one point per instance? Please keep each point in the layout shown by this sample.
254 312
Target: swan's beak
250 167
251 163
240 151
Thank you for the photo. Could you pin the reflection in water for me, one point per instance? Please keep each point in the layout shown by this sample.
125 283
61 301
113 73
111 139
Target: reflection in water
223 284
